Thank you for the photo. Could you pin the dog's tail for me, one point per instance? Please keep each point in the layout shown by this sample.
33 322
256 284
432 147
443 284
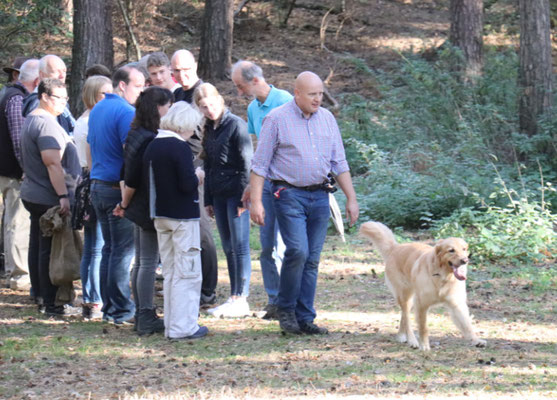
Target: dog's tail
381 236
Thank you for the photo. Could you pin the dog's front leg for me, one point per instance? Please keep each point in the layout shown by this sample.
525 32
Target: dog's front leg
461 318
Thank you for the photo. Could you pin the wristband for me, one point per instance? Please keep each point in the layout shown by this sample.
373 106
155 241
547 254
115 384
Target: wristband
122 207
63 196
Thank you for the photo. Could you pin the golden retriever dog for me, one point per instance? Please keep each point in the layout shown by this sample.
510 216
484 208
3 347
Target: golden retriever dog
424 275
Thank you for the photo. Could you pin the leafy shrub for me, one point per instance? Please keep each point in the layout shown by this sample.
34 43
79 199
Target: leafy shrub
521 231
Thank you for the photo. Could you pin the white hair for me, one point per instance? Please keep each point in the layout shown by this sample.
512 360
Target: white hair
43 63
29 71
181 117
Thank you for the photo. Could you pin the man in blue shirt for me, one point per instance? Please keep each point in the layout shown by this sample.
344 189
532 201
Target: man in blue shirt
109 123
249 80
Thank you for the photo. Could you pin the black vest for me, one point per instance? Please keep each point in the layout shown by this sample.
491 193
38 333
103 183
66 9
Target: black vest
9 166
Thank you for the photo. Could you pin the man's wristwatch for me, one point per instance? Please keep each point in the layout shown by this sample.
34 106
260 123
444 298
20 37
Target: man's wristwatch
63 196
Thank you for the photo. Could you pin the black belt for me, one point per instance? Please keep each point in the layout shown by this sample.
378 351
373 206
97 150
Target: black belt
310 188
107 183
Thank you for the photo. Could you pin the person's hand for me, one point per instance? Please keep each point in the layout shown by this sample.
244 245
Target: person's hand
200 175
118 211
64 206
257 213
352 211
246 197
210 211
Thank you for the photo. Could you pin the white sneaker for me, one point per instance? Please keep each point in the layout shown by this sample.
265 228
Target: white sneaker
217 311
233 308
238 309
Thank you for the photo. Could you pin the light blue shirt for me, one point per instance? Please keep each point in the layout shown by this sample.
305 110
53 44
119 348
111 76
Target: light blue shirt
257 110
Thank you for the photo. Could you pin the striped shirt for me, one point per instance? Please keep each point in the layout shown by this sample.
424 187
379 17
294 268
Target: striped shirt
299 150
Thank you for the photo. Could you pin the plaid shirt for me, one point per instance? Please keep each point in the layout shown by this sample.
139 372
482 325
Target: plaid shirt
299 150
15 123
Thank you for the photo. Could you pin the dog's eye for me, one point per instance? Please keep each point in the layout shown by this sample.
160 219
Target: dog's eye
451 250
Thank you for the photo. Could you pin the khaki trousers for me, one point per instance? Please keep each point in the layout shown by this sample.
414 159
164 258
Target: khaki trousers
180 253
15 229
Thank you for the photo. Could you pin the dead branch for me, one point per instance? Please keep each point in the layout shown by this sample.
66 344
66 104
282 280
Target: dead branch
130 30
327 95
323 30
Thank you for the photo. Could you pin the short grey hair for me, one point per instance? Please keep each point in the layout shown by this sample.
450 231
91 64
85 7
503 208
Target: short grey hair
181 117
43 62
248 69
29 70
158 59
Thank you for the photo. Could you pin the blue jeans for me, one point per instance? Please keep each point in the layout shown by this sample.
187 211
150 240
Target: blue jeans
91 262
117 253
303 218
272 246
234 235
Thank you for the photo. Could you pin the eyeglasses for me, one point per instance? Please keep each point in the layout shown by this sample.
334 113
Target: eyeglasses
60 97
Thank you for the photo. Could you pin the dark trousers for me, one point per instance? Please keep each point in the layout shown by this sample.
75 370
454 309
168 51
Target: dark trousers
39 255
209 263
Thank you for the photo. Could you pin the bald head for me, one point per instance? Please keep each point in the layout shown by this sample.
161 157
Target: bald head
51 66
184 68
308 92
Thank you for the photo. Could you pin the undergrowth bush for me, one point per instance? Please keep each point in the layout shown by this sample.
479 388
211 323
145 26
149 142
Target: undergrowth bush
427 146
519 232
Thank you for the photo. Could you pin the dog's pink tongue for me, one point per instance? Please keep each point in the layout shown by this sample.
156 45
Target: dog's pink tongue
459 274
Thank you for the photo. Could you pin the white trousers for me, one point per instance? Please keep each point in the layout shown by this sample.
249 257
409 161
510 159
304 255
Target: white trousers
180 251
16 229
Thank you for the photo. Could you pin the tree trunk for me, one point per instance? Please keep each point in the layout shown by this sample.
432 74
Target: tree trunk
92 44
216 39
535 72
467 34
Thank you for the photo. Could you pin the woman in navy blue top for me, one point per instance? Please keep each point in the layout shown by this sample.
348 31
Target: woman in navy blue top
227 153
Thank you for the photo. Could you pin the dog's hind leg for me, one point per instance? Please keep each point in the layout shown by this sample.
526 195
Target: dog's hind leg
405 333
461 318
421 319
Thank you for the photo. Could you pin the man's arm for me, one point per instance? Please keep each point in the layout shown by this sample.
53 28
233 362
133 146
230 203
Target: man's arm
257 212
15 124
352 210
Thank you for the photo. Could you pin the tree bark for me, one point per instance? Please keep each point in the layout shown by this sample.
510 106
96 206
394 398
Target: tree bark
535 71
466 33
92 44
215 55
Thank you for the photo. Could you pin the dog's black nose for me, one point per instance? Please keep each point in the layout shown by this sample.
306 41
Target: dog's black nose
464 261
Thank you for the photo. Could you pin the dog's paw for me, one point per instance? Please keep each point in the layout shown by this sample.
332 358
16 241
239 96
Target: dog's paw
479 343
413 343
425 346
401 337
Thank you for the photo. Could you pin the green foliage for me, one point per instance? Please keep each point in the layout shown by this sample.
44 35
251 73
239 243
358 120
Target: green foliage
22 20
521 231
426 146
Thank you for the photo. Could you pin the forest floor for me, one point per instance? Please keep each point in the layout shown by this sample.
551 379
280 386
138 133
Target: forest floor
42 358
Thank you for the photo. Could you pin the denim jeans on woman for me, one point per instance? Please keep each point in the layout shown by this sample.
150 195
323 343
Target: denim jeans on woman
116 254
90 267
144 267
234 235
303 218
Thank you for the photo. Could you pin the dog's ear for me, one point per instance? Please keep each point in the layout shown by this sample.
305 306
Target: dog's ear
439 248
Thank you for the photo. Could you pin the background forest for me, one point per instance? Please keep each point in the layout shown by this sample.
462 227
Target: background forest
429 148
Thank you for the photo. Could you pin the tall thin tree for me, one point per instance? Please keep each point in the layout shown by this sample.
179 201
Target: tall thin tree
216 39
466 33
535 71
92 43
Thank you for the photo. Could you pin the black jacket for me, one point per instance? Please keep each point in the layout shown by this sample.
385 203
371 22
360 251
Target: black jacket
228 152
134 177
9 166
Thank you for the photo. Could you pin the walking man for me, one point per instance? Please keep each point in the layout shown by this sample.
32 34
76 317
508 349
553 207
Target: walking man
300 144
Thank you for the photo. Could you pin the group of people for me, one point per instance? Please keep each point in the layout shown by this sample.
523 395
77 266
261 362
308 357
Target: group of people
160 155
